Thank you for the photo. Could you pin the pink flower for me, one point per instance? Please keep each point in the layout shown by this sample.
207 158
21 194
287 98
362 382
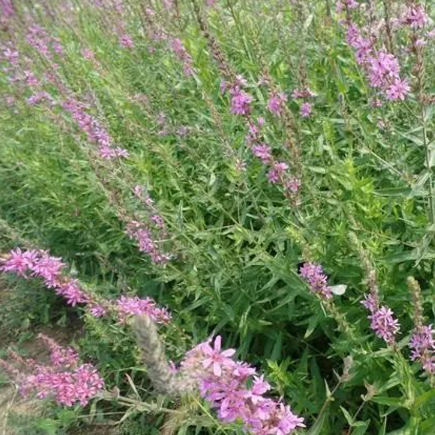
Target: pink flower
302 93
135 306
306 110
293 185
275 174
384 324
65 380
216 358
263 152
126 41
371 302
240 101
60 356
313 275
19 262
223 382
88 54
276 103
182 54
346 4
72 292
49 268
398 90
98 310
7 8
42 265
415 16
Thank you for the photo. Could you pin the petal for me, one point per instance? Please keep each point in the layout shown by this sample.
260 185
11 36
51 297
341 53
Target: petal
229 352
217 369
207 362
217 343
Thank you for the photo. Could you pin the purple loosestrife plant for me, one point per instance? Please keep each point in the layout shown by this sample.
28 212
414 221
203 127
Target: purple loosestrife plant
7 9
317 281
132 306
143 235
226 384
422 341
180 51
66 380
381 67
382 320
276 102
422 346
38 263
94 131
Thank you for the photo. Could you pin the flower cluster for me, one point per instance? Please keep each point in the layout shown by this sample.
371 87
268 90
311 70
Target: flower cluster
276 102
6 8
95 132
346 4
65 380
116 7
381 67
127 306
382 320
414 16
38 263
180 51
313 275
278 172
240 101
304 94
143 235
422 344
44 43
39 97
228 386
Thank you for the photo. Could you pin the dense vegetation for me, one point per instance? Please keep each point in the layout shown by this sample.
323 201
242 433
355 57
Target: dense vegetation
253 172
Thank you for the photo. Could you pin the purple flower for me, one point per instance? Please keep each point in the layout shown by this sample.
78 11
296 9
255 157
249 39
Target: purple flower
19 262
276 102
72 292
371 302
277 171
313 275
98 310
415 16
263 152
216 358
223 382
398 90
126 41
240 101
6 8
384 324
422 344
127 306
306 110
